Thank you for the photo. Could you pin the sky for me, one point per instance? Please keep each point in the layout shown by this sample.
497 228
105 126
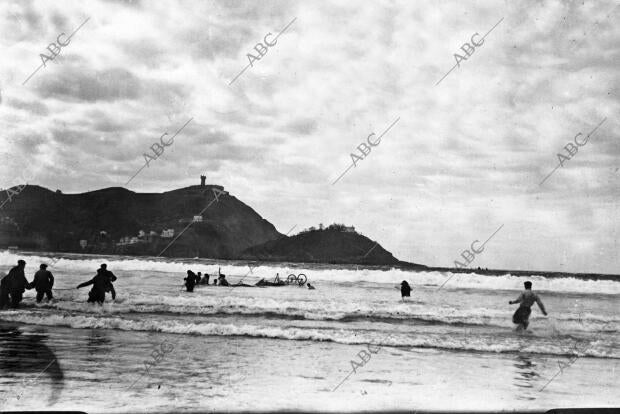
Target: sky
463 157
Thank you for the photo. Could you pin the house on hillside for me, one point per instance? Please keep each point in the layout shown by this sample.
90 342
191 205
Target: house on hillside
152 236
123 241
168 233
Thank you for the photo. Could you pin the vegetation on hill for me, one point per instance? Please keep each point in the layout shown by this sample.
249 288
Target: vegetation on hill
336 244
196 221
41 219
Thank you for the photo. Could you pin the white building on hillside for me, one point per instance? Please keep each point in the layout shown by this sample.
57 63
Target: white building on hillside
168 233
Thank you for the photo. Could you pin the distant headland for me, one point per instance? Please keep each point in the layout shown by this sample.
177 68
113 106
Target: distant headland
197 221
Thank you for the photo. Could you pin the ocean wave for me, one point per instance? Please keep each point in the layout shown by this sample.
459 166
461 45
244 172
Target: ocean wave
316 273
337 311
503 341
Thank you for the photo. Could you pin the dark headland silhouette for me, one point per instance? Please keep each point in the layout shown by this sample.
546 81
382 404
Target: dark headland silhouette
197 221
336 244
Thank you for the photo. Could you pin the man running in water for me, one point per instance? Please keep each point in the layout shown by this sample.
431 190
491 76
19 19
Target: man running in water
526 299
190 281
111 278
100 283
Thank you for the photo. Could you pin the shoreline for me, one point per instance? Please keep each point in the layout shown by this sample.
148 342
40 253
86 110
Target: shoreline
415 378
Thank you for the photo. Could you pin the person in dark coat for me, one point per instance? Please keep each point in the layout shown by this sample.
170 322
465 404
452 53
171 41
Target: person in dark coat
190 281
198 277
100 283
222 280
4 292
405 289
43 283
14 285
111 278
205 279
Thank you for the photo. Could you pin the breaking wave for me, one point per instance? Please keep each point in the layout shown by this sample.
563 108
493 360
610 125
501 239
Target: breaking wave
496 342
237 270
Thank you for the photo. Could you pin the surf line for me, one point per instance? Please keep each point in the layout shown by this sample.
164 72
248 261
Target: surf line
364 358
572 360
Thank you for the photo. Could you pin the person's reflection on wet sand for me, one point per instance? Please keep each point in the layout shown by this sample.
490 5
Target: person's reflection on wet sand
526 376
96 339
26 354
98 344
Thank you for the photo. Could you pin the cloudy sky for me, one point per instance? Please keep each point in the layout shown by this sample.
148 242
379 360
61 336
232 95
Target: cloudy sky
465 157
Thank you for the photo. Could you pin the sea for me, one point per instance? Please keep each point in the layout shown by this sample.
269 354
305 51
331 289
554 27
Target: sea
351 344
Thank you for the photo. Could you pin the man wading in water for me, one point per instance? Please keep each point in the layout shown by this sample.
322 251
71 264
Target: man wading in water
526 299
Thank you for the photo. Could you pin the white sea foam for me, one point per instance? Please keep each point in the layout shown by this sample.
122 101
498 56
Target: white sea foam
351 307
88 264
463 342
322 310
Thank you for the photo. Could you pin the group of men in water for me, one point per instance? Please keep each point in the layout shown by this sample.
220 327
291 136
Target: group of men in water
194 279
14 284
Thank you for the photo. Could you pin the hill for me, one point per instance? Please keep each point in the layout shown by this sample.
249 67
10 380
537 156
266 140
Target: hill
197 221
119 221
322 246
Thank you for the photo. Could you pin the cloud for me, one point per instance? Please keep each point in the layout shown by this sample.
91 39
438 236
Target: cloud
32 107
91 86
